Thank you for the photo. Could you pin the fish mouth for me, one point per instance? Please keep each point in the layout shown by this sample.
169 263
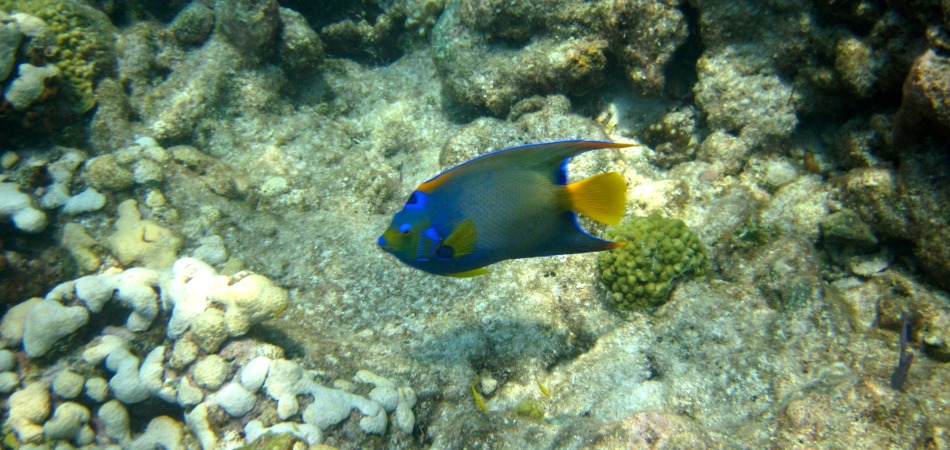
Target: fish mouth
381 242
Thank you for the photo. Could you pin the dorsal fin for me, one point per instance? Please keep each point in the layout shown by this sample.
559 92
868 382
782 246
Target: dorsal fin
550 156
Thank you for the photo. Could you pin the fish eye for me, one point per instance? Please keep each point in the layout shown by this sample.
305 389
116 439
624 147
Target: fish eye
405 228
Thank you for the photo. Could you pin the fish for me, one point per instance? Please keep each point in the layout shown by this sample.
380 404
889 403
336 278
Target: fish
479 400
543 389
508 204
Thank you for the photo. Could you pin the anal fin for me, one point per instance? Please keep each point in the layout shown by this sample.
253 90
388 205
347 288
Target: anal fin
470 273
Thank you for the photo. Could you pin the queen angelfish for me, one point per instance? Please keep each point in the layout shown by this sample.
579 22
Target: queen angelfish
508 204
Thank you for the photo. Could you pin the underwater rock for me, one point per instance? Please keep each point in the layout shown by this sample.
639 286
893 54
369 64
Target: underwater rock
858 64
68 384
69 422
171 110
111 125
675 137
234 400
83 202
215 175
845 228
653 430
925 106
161 432
48 322
32 84
797 207
104 172
10 38
859 143
210 372
423 15
28 409
300 48
373 40
934 253
742 93
115 421
17 206
142 241
484 59
874 194
726 150
251 26
257 433
787 273
96 389
211 250
645 35
193 24
831 408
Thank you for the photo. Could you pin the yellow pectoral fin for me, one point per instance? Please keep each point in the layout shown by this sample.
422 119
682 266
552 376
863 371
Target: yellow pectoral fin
601 197
470 273
462 239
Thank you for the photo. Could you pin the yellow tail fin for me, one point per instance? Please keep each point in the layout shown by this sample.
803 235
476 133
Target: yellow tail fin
601 197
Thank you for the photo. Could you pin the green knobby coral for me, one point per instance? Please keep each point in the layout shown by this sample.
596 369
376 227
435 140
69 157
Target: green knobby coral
659 252
78 42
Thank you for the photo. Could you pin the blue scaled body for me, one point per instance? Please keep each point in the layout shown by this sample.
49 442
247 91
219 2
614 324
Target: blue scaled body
508 204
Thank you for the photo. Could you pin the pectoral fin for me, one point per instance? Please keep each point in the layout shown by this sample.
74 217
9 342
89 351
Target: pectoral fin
460 242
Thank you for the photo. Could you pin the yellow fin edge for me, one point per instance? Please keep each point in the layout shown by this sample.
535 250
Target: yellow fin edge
470 273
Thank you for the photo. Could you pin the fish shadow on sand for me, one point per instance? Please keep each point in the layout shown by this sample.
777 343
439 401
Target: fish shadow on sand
502 345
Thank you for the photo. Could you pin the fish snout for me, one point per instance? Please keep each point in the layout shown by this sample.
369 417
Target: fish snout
382 243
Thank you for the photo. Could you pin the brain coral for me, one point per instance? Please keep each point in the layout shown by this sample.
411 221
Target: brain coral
659 251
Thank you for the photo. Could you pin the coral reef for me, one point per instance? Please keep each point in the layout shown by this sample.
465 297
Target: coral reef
190 262
492 54
658 253
16 206
76 39
741 93
191 290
